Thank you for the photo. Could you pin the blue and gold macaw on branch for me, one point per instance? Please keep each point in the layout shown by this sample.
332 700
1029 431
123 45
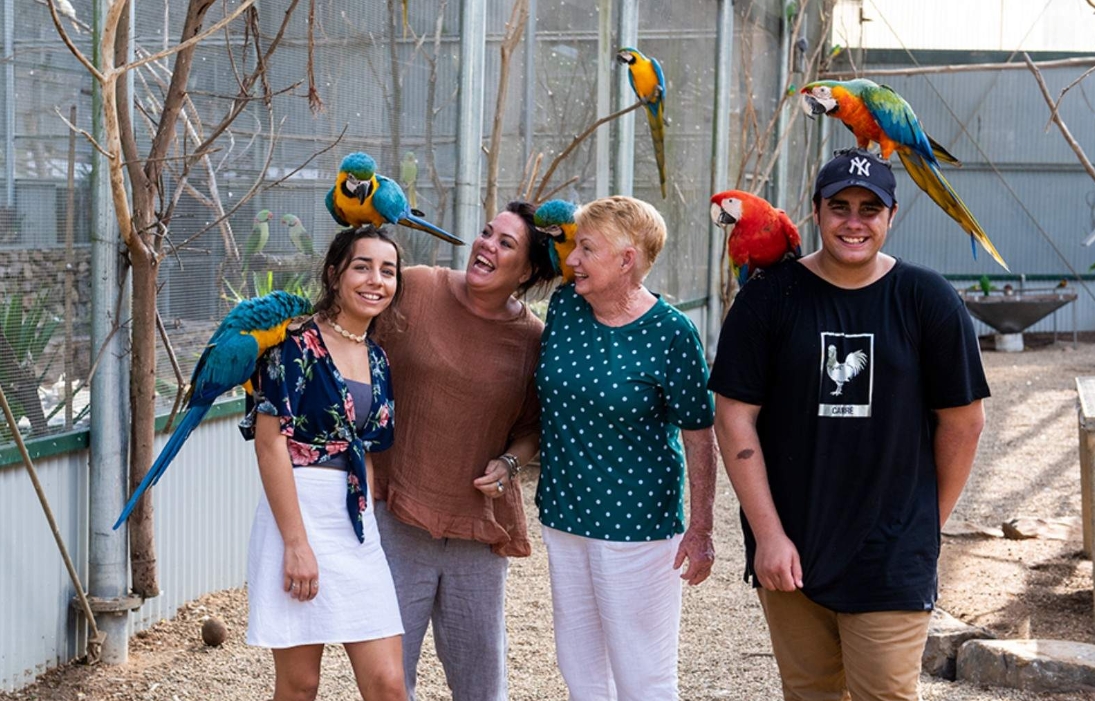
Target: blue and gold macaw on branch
648 83
360 196
874 112
248 331
556 219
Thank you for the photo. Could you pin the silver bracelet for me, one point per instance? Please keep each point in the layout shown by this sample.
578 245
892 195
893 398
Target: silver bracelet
513 465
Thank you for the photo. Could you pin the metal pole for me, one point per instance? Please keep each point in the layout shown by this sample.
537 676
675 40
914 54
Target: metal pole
627 34
469 127
527 114
605 55
9 103
720 160
108 566
781 121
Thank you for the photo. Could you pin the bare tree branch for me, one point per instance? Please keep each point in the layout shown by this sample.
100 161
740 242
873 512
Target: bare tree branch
80 131
71 46
192 41
1073 144
577 140
515 28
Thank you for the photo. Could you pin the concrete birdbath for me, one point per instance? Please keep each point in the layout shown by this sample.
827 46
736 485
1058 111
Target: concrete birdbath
1010 313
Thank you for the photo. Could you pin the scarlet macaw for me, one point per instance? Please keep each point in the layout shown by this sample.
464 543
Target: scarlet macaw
877 113
248 331
648 83
758 234
361 196
556 218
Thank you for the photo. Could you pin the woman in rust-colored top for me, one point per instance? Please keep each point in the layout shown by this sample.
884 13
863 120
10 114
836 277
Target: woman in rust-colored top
448 506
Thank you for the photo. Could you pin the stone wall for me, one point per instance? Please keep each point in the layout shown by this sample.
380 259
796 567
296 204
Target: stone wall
29 271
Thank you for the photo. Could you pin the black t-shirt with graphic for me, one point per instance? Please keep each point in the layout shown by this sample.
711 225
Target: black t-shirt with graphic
847 381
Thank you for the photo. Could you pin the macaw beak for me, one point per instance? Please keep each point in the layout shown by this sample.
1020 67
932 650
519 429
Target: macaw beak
725 219
812 106
625 57
362 190
555 232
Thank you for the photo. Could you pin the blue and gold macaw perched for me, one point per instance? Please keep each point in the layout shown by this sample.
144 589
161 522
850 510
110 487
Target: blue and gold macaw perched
250 329
648 83
877 113
360 197
556 218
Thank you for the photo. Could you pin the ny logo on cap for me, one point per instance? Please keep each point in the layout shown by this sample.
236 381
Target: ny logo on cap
860 166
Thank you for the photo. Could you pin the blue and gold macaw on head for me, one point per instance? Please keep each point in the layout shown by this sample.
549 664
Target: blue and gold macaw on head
360 196
645 74
249 330
556 219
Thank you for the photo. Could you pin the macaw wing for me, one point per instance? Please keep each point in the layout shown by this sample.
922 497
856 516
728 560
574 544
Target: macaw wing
226 362
333 208
896 119
661 78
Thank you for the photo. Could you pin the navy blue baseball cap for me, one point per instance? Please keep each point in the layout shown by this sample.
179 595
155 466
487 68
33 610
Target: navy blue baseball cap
856 167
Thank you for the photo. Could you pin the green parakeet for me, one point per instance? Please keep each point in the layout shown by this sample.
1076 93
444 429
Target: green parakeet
260 235
298 235
408 175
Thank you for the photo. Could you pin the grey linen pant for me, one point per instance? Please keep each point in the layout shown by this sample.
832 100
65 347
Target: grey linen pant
460 585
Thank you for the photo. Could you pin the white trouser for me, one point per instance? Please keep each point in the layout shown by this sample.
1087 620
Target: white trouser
617 609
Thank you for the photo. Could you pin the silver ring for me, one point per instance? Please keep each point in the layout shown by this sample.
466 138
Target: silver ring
314 583
294 585
501 487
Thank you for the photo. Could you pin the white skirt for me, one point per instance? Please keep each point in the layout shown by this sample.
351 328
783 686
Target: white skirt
356 599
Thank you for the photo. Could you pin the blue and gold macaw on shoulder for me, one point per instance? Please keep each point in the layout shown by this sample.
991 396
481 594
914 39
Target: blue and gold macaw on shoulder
556 219
249 330
360 196
645 74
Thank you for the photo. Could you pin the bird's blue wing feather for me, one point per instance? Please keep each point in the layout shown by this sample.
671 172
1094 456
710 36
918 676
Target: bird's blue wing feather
897 119
333 209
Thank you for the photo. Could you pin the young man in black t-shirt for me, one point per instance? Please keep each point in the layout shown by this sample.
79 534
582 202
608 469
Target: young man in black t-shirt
848 399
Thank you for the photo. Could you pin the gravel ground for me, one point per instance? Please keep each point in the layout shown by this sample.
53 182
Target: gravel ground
1027 466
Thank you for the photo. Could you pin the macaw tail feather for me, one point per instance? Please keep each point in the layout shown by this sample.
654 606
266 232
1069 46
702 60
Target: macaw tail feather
942 154
655 116
413 221
927 176
553 253
189 422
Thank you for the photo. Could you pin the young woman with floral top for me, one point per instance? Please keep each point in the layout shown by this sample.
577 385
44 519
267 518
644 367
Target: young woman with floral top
322 405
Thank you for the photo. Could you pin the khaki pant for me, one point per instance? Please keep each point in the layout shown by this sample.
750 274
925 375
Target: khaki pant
828 656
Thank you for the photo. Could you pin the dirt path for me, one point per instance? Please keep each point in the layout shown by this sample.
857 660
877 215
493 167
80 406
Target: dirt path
1027 466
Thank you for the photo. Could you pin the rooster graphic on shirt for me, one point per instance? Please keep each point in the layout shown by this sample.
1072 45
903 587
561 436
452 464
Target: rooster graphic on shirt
846 382
842 372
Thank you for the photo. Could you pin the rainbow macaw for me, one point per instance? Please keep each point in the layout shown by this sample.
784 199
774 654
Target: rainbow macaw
877 113
757 234
648 83
360 196
248 331
556 218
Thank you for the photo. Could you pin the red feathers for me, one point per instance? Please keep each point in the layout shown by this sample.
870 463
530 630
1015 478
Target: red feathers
759 235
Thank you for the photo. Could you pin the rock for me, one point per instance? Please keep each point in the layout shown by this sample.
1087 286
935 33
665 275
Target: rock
214 632
946 634
968 529
1068 528
1032 665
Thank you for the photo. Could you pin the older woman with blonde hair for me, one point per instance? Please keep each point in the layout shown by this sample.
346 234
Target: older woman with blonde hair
622 380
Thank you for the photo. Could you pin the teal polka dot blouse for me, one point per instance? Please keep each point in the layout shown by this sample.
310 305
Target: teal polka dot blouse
613 402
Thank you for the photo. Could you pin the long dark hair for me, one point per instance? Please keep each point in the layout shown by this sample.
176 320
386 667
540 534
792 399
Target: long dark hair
543 272
337 261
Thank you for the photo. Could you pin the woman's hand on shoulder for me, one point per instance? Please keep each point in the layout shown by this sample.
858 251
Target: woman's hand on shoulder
495 479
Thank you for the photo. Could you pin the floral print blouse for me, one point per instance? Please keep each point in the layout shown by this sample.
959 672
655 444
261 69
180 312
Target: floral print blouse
298 383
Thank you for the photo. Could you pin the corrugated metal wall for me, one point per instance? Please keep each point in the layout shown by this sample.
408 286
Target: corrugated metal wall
1022 183
204 506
